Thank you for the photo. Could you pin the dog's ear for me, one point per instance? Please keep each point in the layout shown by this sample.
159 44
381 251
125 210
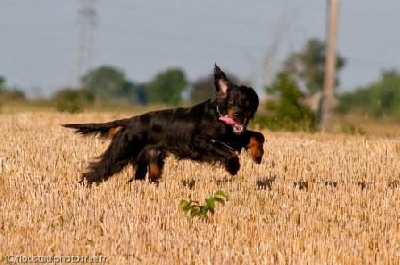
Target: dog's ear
220 80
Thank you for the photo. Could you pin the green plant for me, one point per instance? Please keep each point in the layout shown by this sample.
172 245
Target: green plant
193 208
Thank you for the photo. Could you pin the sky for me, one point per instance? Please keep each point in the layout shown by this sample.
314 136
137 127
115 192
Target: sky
39 39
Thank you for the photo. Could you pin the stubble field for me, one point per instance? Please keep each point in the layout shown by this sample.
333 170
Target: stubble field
315 199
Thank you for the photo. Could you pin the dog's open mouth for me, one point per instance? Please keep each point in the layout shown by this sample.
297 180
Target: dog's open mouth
237 126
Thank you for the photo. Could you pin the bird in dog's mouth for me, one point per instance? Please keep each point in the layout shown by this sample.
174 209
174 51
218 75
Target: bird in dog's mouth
237 126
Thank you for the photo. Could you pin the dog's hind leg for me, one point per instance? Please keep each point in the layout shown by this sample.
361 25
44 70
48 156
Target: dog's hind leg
150 160
114 159
156 164
141 166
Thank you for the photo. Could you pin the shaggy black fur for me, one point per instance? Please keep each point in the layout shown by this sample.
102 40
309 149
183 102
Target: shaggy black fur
212 131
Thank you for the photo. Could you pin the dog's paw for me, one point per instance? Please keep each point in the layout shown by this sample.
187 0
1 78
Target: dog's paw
233 165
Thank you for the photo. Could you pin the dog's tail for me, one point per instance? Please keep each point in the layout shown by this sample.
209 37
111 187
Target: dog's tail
103 130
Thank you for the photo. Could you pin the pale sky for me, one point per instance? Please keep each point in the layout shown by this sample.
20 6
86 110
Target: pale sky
38 43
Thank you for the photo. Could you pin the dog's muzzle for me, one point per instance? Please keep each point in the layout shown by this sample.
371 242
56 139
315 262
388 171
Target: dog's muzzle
237 126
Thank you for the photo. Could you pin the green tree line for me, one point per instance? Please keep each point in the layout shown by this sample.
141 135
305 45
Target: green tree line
287 103
108 84
378 99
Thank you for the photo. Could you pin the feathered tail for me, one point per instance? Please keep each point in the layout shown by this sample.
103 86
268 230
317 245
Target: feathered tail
103 130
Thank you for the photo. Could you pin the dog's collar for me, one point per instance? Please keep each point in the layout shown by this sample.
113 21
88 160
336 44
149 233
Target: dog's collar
227 146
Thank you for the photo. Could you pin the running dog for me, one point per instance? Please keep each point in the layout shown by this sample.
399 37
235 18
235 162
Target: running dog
213 131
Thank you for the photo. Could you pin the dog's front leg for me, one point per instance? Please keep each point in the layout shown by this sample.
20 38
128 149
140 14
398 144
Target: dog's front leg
232 164
230 159
211 152
255 145
252 141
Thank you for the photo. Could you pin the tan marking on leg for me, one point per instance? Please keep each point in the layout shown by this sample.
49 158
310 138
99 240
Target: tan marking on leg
113 131
154 172
256 149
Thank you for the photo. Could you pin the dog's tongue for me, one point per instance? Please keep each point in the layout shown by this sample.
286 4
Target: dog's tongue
237 127
227 120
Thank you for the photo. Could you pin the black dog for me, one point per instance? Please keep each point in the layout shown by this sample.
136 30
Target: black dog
212 131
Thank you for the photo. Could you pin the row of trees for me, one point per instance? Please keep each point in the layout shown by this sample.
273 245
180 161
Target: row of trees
109 84
296 94
378 99
9 93
303 69
301 79
294 98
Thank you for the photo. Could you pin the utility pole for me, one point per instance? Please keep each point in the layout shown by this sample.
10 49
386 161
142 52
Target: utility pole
330 65
87 19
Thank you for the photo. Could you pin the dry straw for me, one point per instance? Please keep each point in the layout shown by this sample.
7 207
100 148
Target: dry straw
315 199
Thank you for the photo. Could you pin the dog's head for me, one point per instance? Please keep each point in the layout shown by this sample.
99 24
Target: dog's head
236 105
